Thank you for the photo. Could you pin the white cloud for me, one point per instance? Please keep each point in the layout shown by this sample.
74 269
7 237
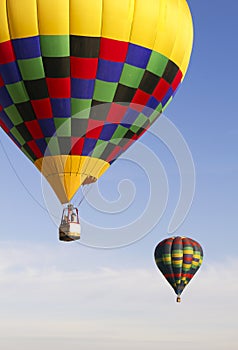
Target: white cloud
44 304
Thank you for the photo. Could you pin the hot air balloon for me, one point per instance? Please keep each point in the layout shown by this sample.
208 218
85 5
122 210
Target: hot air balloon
60 60
178 258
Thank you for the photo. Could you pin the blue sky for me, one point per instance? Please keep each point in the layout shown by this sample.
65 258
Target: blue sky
56 295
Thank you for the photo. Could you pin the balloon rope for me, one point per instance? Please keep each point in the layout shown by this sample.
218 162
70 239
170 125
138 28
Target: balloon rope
19 179
27 190
84 195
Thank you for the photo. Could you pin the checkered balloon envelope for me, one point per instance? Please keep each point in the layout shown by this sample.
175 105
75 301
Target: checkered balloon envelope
54 71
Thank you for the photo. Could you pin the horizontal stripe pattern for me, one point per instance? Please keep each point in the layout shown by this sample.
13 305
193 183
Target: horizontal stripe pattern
178 258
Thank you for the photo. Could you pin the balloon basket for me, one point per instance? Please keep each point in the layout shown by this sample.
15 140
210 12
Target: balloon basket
70 228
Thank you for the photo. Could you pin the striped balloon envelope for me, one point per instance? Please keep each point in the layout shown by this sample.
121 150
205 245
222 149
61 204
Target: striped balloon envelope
60 60
178 258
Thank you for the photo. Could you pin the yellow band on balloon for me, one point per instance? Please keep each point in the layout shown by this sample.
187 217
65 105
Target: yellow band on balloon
22 18
66 173
86 17
53 17
4 29
164 26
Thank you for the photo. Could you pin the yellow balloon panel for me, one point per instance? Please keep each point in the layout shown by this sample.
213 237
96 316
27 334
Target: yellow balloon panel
4 32
174 32
22 18
145 23
71 183
53 17
86 17
186 37
66 173
118 18
168 28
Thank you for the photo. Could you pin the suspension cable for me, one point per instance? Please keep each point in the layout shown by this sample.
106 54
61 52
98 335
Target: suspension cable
19 179
84 195
26 189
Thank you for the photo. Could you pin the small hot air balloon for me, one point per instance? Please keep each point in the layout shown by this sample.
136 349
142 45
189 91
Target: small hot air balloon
59 59
178 258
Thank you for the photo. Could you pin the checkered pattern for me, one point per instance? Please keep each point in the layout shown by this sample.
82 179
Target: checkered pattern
178 258
68 93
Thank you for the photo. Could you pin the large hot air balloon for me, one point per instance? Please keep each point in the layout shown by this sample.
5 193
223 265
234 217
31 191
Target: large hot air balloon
178 258
61 59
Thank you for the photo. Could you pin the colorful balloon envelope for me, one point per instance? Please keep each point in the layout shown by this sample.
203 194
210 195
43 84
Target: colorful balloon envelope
178 258
60 60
